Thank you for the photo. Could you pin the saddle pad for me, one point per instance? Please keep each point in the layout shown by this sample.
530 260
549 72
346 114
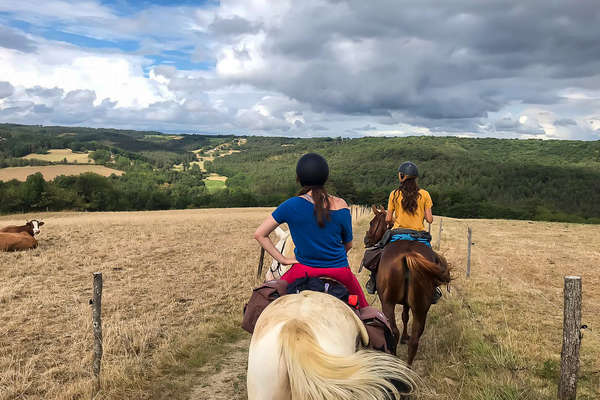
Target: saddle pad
407 236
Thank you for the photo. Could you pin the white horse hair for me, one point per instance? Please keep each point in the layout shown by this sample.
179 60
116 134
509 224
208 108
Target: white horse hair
308 346
286 246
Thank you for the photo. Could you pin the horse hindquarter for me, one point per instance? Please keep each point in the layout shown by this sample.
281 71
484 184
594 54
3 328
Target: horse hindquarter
315 358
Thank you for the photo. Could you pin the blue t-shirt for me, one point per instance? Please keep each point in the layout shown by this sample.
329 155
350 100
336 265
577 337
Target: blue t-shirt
316 246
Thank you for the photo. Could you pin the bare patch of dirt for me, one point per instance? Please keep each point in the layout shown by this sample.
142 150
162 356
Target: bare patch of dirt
224 379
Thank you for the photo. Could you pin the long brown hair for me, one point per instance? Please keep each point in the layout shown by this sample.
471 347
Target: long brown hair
410 195
321 200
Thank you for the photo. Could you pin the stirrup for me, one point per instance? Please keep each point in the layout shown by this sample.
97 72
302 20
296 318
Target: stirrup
371 285
437 294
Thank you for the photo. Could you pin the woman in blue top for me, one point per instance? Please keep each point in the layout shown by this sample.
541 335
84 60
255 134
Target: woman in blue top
321 227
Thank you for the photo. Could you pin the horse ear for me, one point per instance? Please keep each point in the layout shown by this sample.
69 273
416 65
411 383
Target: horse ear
375 210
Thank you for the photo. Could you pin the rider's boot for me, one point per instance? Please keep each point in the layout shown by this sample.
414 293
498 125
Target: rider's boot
371 285
437 294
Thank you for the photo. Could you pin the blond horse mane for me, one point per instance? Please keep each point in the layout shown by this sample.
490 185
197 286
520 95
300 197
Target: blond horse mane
305 347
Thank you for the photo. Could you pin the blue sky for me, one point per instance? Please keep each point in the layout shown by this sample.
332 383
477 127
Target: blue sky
312 68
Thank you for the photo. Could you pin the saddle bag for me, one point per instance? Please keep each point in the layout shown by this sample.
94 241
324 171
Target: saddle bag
261 297
380 333
371 258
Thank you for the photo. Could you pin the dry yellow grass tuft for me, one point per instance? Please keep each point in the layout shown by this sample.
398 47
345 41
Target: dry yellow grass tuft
52 171
57 155
175 283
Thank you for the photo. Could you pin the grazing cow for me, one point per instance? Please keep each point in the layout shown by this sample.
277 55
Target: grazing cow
17 241
32 227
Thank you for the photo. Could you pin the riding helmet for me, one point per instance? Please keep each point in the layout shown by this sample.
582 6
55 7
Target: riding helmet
312 170
408 169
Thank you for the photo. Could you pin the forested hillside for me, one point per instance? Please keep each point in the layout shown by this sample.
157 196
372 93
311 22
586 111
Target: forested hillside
149 182
478 178
488 178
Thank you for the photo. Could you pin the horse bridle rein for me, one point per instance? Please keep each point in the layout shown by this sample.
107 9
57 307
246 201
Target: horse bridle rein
278 267
262 260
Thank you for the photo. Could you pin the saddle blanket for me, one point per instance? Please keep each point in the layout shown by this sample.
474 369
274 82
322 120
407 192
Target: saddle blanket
408 236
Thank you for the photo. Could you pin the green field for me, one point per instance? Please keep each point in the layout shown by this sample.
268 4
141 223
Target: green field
213 186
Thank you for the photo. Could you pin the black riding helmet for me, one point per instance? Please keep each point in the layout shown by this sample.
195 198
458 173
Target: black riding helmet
408 169
312 170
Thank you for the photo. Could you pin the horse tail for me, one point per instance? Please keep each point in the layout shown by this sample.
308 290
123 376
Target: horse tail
419 266
315 374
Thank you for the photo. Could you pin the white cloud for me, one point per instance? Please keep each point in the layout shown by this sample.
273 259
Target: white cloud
111 75
30 10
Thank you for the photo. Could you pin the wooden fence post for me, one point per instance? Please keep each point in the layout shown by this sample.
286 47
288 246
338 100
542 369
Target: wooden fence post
439 238
97 325
569 356
469 231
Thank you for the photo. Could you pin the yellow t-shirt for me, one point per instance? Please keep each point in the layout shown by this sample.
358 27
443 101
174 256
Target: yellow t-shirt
402 219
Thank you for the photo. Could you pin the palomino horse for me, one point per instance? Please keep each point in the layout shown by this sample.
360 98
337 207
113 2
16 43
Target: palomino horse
309 346
286 246
408 273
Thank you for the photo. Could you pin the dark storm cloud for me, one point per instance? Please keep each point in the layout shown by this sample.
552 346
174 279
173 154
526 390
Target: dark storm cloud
12 39
433 60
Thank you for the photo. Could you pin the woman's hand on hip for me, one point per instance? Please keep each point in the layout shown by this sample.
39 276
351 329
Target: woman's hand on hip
289 261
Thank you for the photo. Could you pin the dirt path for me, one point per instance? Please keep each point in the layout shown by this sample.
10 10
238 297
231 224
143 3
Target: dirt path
224 379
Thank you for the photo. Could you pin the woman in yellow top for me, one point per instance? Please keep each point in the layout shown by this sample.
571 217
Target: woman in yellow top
408 205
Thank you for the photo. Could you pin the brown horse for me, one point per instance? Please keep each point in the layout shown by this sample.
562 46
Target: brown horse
408 273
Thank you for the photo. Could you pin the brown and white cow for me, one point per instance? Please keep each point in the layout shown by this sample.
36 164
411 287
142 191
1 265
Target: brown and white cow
31 227
17 241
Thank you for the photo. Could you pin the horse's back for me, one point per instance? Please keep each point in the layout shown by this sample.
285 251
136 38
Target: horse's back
325 314
334 326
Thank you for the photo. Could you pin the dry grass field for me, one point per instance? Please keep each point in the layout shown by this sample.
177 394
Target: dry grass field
176 281
52 171
57 155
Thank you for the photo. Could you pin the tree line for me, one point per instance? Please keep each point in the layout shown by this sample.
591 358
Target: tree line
467 178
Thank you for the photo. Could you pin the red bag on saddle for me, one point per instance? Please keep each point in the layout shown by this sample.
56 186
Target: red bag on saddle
380 333
261 297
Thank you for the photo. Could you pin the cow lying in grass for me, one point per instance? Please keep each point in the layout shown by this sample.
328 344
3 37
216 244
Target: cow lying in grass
31 227
17 241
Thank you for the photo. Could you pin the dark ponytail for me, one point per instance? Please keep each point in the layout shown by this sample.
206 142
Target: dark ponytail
321 201
410 194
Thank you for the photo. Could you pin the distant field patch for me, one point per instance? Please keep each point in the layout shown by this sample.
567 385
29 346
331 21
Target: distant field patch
52 171
179 167
163 137
213 186
216 177
57 155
